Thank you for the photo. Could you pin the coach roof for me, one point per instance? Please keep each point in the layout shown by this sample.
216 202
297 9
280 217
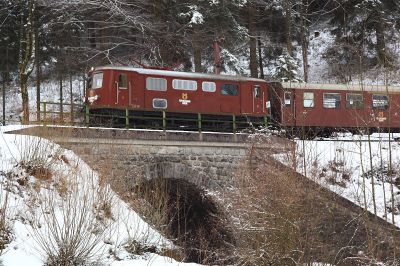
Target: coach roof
177 74
341 87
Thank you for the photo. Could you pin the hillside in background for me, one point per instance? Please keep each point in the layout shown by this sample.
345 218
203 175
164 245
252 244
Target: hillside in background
303 40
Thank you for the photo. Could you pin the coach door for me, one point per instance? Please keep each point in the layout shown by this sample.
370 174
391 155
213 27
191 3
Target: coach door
258 100
122 88
288 108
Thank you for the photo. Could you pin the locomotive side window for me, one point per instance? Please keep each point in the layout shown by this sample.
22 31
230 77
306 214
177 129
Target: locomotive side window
182 84
257 91
331 100
355 101
156 84
97 81
208 86
308 99
230 89
160 103
122 81
287 98
380 101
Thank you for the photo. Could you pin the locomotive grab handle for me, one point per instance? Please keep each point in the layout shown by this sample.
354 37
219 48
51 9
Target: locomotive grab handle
117 92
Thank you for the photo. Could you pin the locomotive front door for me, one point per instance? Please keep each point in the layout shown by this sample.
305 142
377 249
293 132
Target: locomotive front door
258 100
122 89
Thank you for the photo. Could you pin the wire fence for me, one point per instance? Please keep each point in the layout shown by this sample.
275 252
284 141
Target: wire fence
80 114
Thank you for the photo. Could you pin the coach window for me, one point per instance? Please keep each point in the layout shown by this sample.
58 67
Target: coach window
156 84
97 81
208 86
308 99
122 81
287 98
257 91
354 101
380 101
331 100
159 103
182 84
230 89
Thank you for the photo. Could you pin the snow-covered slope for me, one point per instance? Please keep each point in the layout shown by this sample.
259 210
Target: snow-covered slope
344 166
52 203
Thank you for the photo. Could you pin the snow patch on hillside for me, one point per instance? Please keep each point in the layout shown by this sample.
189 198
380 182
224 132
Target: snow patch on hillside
344 165
52 198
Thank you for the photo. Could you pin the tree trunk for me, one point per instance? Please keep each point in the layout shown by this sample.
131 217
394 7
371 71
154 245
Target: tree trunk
4 98
26 63
61 99
252 41
288 26
304 37
380 39
38 74
260 62
197 54
25 98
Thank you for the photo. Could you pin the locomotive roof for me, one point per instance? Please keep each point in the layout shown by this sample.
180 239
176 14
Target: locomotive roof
342 87
178 74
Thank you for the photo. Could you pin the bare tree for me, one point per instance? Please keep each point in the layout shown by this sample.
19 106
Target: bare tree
26 62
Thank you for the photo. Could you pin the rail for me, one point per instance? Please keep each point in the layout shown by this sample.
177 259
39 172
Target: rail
75 114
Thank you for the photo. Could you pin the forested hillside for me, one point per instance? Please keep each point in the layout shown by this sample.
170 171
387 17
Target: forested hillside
305 40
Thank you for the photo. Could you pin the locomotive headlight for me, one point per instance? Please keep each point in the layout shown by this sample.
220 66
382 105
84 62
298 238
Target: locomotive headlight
92 96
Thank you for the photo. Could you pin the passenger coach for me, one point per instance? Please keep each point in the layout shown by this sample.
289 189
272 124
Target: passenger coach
325 108
148 94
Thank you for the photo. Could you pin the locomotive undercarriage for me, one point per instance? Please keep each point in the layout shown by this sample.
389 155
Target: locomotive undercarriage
119 118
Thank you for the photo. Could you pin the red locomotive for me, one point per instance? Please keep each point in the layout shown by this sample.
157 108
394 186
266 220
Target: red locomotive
324 108
161 98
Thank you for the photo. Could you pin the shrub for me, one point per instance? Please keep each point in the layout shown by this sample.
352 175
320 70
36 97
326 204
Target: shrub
190 217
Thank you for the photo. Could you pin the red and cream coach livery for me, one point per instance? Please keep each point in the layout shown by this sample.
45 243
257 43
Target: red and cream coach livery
327 107
142 91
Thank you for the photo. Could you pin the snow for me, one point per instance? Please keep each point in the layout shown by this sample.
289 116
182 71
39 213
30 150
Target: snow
343 165
36 206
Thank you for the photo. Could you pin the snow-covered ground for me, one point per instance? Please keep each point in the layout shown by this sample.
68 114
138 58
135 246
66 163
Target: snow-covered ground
50 92
344 166
65 204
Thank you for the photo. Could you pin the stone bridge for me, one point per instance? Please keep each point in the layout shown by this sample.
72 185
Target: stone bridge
124 155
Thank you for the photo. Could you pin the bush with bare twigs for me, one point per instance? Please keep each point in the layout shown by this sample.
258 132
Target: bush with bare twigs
71 226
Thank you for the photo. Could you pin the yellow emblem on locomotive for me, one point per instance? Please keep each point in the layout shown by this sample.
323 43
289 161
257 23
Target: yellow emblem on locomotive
184 100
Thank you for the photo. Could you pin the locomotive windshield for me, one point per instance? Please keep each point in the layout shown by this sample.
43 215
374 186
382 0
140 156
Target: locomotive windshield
97 80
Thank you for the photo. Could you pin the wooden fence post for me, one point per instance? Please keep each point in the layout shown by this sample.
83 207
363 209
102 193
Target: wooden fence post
199 126
87 115
234 127
126 118
164 120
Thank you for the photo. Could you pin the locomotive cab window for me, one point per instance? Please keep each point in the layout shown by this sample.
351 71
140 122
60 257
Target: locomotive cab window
97 81
182 84
308 99
354 101
122 81
287 97
208 86
160 103
156 84
331 100
380 101
257 91
230 89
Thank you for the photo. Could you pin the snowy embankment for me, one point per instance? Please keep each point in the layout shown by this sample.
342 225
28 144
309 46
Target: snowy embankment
344 166
54 207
